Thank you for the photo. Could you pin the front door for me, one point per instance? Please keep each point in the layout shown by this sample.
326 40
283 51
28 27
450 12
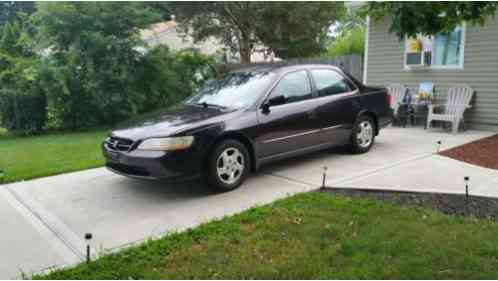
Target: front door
292 125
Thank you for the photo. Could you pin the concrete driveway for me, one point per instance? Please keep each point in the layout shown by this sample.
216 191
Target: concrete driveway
44 220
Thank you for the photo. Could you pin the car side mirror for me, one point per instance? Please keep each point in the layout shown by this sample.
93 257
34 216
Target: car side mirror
274 101
277 100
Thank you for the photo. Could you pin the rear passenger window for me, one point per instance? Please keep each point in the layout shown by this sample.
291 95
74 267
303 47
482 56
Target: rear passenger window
294 87
329 82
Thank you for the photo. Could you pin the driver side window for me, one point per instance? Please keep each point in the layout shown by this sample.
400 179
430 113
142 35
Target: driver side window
294 87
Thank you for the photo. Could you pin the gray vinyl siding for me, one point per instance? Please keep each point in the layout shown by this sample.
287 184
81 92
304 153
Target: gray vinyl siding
480 69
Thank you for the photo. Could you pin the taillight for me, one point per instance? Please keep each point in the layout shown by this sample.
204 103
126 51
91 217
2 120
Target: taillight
388 99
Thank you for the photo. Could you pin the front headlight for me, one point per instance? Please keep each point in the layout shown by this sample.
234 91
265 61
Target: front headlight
174 143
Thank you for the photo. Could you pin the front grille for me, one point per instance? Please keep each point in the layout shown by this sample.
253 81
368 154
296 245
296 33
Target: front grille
119 144
129 170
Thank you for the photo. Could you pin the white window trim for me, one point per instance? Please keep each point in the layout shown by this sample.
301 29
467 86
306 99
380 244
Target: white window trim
458 66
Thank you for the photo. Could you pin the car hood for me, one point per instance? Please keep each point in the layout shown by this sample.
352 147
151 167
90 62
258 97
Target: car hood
171 121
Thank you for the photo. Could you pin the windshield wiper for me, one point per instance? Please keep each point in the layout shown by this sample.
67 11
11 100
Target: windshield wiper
206 105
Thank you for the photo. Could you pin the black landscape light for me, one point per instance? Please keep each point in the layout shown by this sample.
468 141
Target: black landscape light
88 237
324 176
466 188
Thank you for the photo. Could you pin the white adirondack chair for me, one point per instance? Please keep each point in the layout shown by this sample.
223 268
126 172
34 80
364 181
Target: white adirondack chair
397 92
457 101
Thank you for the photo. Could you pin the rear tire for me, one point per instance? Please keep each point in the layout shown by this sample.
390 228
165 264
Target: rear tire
227 166
363 135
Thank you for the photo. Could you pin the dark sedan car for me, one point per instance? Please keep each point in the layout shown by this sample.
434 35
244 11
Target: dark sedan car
252 116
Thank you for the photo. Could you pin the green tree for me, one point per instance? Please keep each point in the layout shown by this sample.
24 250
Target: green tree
169 77
233 23
349 41
92 59
165 9
296 29
428 18
9 10
353 19
22 101
349 35
288 29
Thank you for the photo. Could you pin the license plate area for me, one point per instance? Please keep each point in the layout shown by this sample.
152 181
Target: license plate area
112 156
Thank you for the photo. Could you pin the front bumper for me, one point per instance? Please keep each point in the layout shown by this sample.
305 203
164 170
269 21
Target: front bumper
158 165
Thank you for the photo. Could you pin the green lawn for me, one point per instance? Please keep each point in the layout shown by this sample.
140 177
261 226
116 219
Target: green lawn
23 158
313 236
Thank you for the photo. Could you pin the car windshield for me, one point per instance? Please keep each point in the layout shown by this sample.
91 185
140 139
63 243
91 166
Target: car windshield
234 90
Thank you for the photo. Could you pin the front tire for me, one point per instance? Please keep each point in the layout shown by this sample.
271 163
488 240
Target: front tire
228 165
363 135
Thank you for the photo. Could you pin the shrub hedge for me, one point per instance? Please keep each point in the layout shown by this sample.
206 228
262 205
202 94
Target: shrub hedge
57 73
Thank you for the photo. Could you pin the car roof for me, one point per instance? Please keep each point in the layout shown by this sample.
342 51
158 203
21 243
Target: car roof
281 68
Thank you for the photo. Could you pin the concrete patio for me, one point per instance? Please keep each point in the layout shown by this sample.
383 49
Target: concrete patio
44 220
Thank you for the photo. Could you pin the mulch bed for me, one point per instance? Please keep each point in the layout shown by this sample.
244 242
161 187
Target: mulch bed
451 204
482 152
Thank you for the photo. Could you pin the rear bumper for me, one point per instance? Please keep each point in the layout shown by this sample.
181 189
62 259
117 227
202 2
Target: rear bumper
385 122
156 165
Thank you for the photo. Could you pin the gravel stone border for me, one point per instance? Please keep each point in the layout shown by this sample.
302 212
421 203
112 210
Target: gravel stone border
451 204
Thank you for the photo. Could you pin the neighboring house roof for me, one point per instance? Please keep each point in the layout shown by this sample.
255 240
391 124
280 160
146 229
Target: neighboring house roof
167 33
157 29
355 4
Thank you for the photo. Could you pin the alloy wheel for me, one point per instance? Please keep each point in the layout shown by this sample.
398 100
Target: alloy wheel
364 135
230 165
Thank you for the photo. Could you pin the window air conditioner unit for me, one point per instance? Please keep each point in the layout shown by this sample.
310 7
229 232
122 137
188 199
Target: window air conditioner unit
419 59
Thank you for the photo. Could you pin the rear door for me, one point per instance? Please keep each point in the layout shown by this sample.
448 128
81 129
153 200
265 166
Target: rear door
338 105
292 125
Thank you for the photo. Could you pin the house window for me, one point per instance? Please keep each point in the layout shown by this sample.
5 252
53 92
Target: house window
441 51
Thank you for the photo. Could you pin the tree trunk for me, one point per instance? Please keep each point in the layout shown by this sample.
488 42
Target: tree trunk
245 49
245 55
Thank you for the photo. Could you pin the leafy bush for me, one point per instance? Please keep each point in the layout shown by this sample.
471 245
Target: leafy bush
98 73
89 68
22 101
169 77
92 62
350 41
23 113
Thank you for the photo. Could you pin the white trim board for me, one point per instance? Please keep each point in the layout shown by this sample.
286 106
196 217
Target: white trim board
365 56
